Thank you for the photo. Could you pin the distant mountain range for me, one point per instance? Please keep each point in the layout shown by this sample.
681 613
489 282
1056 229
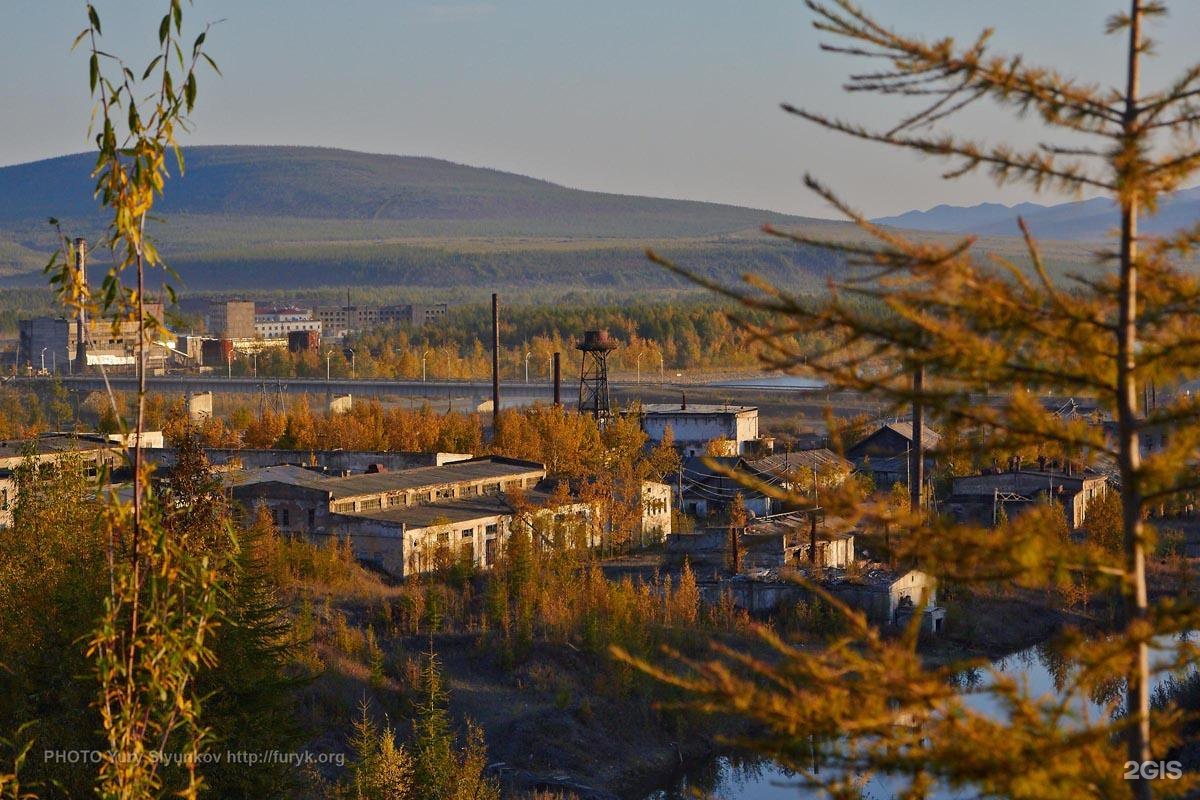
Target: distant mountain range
1088 220
277 217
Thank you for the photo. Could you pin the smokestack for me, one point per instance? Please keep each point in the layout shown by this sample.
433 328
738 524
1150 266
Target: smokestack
558 379
916 455
80 318
495 364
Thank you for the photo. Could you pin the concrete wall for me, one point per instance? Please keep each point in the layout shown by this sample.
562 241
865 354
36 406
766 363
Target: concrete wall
656 510
341 404
293 509
200 406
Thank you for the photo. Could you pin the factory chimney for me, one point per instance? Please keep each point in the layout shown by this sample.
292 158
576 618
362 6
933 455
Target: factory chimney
495 364
558 379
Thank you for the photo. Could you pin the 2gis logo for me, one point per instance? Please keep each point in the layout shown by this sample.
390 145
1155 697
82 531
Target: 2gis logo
1153 770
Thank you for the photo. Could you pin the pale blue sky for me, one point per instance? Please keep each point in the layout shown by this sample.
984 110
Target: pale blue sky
674 98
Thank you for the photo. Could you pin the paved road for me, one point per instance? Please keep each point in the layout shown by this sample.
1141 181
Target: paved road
182 384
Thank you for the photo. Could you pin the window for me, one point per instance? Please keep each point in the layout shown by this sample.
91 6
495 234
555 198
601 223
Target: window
312 518
371 504
491 530
491 488
396 500
445 494
443 537
468 533
281 517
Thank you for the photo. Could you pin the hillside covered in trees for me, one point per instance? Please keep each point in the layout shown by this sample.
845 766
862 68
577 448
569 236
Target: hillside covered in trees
256 218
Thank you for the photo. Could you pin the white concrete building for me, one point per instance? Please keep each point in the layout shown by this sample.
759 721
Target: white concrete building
277 323
695 425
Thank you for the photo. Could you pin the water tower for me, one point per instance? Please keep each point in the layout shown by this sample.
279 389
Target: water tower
593 374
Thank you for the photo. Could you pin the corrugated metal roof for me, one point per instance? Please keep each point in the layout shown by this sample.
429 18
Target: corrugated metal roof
487 468
676 409
782 464
447 511
929 437
419 477
280 473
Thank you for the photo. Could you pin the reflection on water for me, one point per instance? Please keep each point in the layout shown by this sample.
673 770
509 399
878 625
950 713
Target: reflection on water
1043 669
732 779
771 382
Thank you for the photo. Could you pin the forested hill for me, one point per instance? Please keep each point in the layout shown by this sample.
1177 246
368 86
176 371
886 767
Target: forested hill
301 217
326 184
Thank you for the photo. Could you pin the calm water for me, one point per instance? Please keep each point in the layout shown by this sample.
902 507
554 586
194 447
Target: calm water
794 382
728 779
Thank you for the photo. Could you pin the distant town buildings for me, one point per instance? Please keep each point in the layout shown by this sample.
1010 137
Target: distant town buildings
340 320
50 344
231 319
279 323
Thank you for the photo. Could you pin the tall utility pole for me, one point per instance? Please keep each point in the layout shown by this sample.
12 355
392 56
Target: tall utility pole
495 364
916 453
80 317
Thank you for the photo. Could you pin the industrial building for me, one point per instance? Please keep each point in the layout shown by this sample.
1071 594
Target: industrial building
695 426
395 520
51 344
987 497
95 452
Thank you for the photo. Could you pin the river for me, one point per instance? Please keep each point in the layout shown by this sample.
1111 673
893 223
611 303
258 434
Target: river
736 779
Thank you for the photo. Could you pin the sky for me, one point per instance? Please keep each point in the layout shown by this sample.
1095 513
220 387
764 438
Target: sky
669 98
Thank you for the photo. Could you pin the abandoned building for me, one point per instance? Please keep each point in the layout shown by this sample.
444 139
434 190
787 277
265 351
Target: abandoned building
890 596
93 450
416 519
694 426
995 494
797 471
775 543
703 490
884 453
335 463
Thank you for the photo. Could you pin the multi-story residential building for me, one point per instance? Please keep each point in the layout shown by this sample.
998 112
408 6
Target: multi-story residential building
415 315
339 320
231 319
278 323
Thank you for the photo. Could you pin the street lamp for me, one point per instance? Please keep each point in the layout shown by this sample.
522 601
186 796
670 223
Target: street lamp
254 356
425 356
639 368
43 360
527 355
660 369
349 354
229 363
328 355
